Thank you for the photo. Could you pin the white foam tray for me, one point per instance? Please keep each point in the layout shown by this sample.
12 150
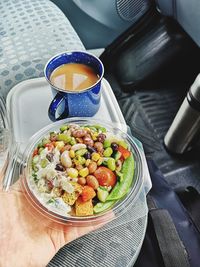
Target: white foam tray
28 102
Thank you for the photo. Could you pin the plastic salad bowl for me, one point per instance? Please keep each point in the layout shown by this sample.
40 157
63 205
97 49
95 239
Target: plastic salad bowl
78 170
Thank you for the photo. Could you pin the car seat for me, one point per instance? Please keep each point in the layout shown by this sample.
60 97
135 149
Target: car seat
31 32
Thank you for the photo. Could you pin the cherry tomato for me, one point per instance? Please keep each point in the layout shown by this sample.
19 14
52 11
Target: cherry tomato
105 176
125 152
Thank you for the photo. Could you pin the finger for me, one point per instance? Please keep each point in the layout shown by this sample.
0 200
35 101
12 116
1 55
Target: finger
73 232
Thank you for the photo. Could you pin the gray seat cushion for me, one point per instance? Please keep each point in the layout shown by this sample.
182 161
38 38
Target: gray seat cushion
30 33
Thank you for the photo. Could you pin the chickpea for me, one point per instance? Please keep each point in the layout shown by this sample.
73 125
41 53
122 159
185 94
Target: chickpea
92 181
88 141
79 133
92 167
98 146
82 180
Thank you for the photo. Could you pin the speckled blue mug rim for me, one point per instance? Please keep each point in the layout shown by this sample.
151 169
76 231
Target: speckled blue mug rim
70 52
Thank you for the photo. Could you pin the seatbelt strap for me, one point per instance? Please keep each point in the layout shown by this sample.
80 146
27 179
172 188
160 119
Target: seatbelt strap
171 247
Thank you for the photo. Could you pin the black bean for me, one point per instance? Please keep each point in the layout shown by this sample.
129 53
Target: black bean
87 155
91 149
59 167
50 157
114 147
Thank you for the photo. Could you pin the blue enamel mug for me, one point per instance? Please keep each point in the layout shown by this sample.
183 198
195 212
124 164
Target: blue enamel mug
66 103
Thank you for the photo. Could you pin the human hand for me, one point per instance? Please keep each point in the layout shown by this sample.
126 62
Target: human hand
27 240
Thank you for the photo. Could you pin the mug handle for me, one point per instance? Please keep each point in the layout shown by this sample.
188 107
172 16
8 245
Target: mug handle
54 105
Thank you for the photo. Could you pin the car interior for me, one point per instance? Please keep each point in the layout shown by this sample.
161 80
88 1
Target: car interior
151 55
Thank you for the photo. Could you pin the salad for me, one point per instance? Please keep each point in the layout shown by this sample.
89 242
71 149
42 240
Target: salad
81 170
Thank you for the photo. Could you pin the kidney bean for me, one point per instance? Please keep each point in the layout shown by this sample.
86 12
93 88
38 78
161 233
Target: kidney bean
88 141
101 137
98 146
79 133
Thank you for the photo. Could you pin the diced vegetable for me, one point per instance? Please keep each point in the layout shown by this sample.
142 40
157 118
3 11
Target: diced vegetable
125 152
102 194
123 144
35 152
87 193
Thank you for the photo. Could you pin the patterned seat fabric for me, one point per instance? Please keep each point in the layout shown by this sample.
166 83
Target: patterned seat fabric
30 33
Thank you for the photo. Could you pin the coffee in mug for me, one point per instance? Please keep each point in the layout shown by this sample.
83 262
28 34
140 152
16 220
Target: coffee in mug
74 77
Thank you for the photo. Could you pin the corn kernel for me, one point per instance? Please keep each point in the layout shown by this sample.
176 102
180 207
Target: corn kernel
95 156
94 136
87 129
72 172
100 161
72 154
84 172
87 163
59 144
